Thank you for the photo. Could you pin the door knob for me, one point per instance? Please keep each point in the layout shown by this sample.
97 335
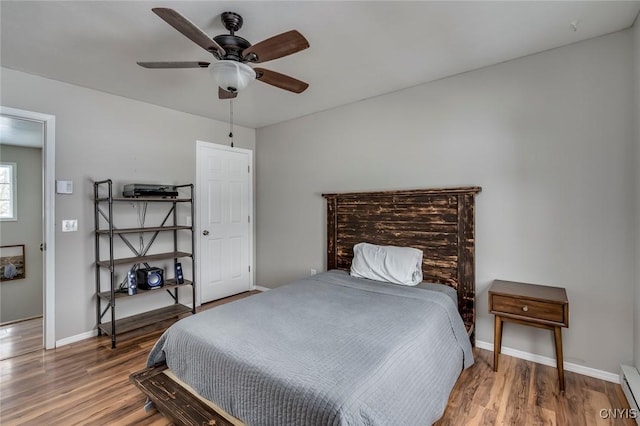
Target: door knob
205 232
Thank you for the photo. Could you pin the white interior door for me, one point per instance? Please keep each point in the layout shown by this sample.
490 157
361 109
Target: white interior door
224 200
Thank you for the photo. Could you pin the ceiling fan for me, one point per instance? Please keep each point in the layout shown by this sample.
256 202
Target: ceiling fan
233 52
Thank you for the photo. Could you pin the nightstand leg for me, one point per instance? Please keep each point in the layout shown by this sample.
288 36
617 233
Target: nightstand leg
557 337
497 341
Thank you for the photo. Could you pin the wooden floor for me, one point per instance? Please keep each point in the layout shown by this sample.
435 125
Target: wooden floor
20 338
526 393
87 383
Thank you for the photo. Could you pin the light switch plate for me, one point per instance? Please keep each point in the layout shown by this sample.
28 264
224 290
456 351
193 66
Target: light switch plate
64 186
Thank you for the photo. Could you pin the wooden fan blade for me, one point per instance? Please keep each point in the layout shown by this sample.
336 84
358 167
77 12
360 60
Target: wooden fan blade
224 94
280 80
168 65
188 29
276 47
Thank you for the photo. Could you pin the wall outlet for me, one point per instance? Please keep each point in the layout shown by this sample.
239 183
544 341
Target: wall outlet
313 271
69 225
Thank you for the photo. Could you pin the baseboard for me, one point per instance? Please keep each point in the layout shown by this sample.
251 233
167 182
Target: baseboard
20 320
544 360
260 288
78 337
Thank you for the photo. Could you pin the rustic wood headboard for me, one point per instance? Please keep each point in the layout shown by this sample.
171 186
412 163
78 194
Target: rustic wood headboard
440 222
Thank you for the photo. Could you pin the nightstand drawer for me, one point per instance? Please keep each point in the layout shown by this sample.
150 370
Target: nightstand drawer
527 308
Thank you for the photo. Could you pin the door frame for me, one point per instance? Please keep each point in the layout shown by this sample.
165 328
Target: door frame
48 225
200 147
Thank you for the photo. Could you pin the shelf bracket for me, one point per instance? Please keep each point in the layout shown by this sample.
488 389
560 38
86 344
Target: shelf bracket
175 299
105 310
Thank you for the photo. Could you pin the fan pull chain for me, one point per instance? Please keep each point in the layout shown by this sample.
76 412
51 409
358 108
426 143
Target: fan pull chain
231 121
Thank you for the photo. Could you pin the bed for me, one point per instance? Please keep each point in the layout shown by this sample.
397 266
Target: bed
334 349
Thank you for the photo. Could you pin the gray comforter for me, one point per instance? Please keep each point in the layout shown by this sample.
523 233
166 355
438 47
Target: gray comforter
325 350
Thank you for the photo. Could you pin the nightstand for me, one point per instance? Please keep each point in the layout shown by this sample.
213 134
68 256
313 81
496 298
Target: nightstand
533 305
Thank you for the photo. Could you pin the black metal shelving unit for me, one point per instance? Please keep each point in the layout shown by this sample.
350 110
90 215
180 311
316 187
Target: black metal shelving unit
107 300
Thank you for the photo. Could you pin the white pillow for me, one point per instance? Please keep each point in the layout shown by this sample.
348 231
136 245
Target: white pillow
398 265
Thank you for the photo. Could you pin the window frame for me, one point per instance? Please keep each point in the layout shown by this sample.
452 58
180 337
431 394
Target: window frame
14 191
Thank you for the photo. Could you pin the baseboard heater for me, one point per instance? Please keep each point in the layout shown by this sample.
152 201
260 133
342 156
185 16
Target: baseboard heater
630 382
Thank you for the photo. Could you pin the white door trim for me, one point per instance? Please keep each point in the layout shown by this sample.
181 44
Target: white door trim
208 145
49 228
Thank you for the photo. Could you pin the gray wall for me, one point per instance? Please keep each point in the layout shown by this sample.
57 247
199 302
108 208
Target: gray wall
100 136
548 137
636 118
22 298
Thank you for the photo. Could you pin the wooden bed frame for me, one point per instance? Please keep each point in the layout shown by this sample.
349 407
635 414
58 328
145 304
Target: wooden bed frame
440 222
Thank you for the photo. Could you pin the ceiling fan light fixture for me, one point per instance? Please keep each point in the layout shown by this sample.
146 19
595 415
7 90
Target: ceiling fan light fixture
231 76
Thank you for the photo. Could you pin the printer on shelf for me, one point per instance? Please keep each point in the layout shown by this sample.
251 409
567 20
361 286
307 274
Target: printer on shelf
146 190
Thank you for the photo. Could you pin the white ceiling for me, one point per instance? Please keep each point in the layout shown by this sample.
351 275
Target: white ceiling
358 49
19 132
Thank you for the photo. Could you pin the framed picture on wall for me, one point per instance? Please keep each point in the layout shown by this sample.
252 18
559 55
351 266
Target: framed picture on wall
12 262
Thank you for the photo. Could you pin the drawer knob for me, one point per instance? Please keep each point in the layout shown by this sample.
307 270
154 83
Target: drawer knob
525 308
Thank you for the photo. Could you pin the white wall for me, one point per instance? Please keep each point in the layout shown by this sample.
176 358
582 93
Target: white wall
548 137
100 136
22 298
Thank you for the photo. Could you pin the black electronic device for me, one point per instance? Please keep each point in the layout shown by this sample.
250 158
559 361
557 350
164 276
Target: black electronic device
179 276
150 278
145 190
132 287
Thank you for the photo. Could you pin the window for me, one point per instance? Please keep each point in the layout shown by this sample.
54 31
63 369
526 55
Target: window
8 204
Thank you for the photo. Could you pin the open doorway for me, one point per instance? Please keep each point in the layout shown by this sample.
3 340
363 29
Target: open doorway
27 231
21 233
